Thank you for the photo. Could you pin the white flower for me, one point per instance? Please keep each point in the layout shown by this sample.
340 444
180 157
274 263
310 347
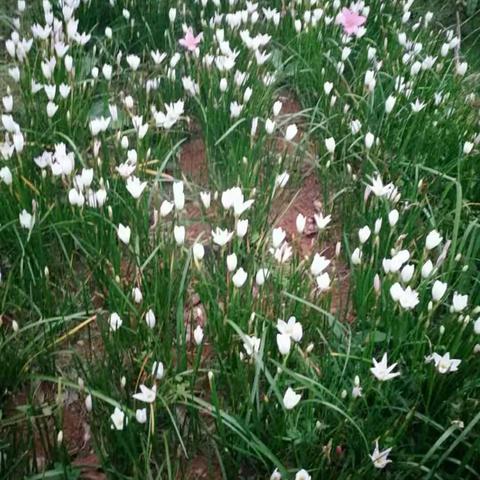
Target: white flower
383 372
251 344
206 199
468 147
319 264
390 103
369 140
178 195
262 276
322 221
179 234
27 220
242 227
232 262
141 415
357 256
239 278
433 240
221 237
133 61
323 282
6 175
459 302
198 251
427 269
444 364
364 234
118 419
393 217
278 236
135 186
302 475
438 290
330 144
282 179
291 132
137 295
124 233
407 273
88 403
476 326
291 399
165 208
198 335
150 319
146 395
284 343
300 223
276 475
357 389
292 328
115 321
158 370
380 459
269 126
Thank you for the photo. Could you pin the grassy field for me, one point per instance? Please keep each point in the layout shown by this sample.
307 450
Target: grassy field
239 240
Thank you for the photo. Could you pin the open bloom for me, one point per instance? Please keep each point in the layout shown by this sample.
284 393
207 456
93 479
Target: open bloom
383 372
351 21
444 364
291 399
221 237
292 328
380 459
190 41
147 395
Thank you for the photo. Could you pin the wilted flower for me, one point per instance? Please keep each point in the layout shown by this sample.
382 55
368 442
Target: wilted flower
146 395
380 459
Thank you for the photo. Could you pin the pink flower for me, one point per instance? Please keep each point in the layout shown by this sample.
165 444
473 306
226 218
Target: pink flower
351 21
190 42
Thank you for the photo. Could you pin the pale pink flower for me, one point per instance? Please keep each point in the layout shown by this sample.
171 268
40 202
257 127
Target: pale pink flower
190 41
351 21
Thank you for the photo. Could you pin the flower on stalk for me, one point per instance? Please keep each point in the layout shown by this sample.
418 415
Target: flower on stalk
261 276
251 344
150 319
357 389
146 395
179 234
198 251
291 132
118 419
459 302
383 372
380 459
292 328
115 322
322 221
444 364
158 370
438 290
124 233
27 220
239 278
198 335
291 399
190 42
302 475
141 415
433 240
135 187
284 343
351 21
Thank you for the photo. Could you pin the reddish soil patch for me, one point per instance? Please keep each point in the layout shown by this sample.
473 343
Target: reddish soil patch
193 162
